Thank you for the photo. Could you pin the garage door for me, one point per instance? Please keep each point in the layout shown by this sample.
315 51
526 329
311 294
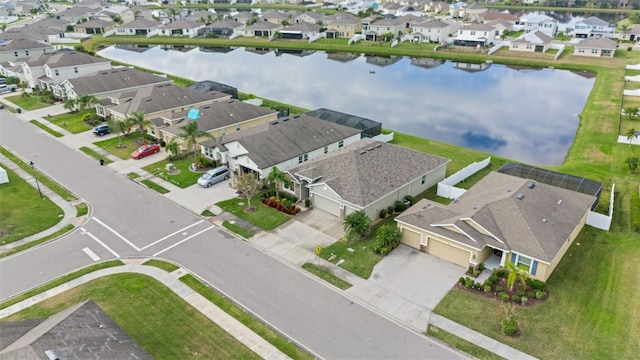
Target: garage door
447 252
327 205
411 238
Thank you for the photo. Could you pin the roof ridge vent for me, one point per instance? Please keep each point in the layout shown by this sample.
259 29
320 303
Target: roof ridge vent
532 185
520 196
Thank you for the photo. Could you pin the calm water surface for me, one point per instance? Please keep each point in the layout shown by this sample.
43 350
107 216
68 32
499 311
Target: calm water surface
525 114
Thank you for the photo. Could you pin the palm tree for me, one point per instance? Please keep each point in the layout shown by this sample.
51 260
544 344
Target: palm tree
356 225
278 178
631 112
623 29
117 127
138 120
85 101
173 12
191 132
70 104
631 134
632 161
515 275
3 26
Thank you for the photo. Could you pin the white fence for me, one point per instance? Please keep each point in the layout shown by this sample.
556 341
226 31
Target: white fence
317 37
559 47
446 188
384 137
601 221
394 43
356 38
498 46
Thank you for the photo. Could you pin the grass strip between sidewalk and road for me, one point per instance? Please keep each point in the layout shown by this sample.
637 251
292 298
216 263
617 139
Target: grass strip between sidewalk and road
238 229
94 154
31 244
461 344
246 319
59 281
166 266
151 185
133 175
46 128
53 186
82 209
161 322
325 275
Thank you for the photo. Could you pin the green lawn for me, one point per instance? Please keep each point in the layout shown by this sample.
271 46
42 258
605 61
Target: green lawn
362 260
23 213
461 344
27 103
327 276
160 321
123 150
46 128
31 244
238 229
72 122
153 186
133 175
168 267
264 217
184 176
82 209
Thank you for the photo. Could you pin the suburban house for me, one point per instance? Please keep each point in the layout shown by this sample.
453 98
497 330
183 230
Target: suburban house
216 119
596 47
156 101
222 28
276 17
49 69
82 331
456 9
434 31
112 12
631 34
344 27
108 83
502 217
500 26
544 23
76 13
22 48
367 175
592 27
95 26
396 27
368 127
311 17
283 143
262 29
299 31
474 12
535 41
491 16
24 33
475 35
139 26
181 28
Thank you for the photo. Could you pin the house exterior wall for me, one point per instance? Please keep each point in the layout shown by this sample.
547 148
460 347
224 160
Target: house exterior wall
528 47
481 256
592 52
548 27
432 34
71 72
345 30
12 55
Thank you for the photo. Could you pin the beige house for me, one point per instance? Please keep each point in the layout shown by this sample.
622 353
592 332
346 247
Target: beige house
502 217
596 47
367 175
535 41
345 27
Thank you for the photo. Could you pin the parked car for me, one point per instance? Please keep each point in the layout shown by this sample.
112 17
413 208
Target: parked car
214 176
101 129
8 87
145 150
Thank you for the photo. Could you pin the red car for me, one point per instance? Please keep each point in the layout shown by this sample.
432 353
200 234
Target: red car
145 150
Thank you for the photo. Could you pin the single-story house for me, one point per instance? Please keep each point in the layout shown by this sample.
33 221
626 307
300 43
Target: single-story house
502 217
367 175
596 47
535 41
299 31
139 26
95 26
631 34
262 29
216 119
182 28
222 28
282 143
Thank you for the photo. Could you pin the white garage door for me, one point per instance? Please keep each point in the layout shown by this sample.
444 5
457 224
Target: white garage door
327 205
448 252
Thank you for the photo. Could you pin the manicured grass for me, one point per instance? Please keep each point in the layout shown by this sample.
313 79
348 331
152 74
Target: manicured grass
82 209
160 321
461 344
27 103
23 212
207 213
122 150
183 178
31 244
238 229
72 122
46 128
361 261
151 185
133 175
53 186
95 154
245 318
325 275
168 267
263 217
59 281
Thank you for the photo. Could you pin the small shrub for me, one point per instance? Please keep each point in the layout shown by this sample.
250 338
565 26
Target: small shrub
399 207
487 288
470 270
411 199
383 213
536 284
524 300
390 210
481 267
499 289
629 48
503 296
478 286
516 299
502 273
531 294
307 202
468 282
520 292
461 280
489 282
510 327
540 294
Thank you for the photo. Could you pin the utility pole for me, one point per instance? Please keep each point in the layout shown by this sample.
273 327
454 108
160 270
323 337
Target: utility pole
33 168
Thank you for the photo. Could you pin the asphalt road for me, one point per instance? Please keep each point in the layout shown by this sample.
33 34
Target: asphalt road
128 220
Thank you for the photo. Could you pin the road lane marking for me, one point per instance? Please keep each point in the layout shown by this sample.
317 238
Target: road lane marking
183 240
100 242
91 254
170 235
117 234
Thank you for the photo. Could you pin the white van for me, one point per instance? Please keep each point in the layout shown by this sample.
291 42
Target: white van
214 176
4 88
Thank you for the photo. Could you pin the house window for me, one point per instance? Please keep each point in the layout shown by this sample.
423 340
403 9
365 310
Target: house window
75 69
238 128
57 72
473 32
303 158
326 149
524 263
15 53
423 180
340 143
594 51
26 52
529 46
581 50
223 132
300 159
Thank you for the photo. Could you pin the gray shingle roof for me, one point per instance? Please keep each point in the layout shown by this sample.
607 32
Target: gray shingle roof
65 58
114 80
141 23
183 24
598 43
95 23
534 37
367 170
23 44
536 225
593 20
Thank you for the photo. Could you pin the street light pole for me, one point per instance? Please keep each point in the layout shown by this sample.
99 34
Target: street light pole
35 176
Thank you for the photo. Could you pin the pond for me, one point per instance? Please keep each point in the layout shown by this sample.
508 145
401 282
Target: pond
530 115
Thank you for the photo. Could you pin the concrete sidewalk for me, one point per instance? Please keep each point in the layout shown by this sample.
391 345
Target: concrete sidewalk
229 324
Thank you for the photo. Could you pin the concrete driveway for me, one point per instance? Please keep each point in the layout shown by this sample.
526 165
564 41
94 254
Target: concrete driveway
407 285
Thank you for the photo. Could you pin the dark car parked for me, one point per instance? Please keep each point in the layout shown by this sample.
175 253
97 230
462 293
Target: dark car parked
101 129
